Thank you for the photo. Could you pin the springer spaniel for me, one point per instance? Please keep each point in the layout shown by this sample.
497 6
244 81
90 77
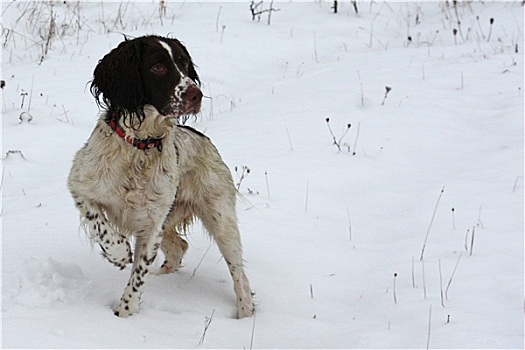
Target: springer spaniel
142 175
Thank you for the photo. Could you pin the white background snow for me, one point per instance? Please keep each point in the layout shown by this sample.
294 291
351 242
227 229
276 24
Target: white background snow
332 238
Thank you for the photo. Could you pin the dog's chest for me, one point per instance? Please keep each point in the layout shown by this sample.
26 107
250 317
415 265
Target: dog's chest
126 180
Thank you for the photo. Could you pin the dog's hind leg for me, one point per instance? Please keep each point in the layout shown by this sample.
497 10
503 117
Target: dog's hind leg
115 247
174 247
221 222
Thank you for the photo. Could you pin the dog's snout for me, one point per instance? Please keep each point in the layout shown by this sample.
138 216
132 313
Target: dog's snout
192 95
191 99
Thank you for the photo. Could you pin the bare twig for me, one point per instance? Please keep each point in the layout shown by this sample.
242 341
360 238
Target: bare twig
65 115
336 142
315 48
479 222
257 11
349 224
200 262
491 21
210 116
371 33
430 225
516 183
429 326
162 8
217 20
424 281
207 322
222 32
413 274
332 133
395 296
466 240
306 200
289 139
267 185
253 331
270 12
458 20
480 29
50 34
356 138
30 94
23 94
452 276
472 239
441 284
354 2
245 171
254 9
2 180
362 93
387 90
362 96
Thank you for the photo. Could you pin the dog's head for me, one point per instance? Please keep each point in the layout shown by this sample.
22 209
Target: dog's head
148 70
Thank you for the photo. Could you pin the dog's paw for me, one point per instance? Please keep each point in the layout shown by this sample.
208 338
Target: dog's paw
164 270
245 308
167 268
125 309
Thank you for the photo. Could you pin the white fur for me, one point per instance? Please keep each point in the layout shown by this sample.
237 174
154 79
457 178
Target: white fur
154 195
167 47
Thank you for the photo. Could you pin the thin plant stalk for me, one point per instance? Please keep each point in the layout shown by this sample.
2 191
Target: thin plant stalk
452 276
430 225
424 281
441 285
429 326
253 331
472 239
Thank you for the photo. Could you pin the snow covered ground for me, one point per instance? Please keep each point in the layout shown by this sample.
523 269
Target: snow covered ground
333 238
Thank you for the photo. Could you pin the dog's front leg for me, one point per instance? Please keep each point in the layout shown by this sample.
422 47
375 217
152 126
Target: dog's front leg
145 253
115 247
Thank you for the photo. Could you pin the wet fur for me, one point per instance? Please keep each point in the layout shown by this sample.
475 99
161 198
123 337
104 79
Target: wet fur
153 195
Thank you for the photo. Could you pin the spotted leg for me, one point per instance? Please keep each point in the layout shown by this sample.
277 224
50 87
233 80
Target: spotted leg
115 247
146 248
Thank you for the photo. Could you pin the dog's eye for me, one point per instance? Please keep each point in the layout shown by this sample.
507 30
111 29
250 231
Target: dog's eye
159 69
182 62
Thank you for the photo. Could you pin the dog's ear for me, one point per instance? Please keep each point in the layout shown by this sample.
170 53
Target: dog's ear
192 73
117 83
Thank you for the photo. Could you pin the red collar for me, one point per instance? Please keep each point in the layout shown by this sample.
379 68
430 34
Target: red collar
142 144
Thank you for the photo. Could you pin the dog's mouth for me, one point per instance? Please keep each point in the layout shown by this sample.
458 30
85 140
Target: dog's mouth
189 103
192 108
186 110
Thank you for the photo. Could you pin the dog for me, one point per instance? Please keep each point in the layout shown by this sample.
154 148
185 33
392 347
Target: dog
142 175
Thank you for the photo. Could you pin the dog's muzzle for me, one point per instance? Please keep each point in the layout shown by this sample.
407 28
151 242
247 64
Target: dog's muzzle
192 98
186 100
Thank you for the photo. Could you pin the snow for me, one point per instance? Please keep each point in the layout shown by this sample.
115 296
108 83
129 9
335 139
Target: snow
332 239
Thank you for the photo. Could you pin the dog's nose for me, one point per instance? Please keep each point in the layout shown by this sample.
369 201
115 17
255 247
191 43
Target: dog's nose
192 95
